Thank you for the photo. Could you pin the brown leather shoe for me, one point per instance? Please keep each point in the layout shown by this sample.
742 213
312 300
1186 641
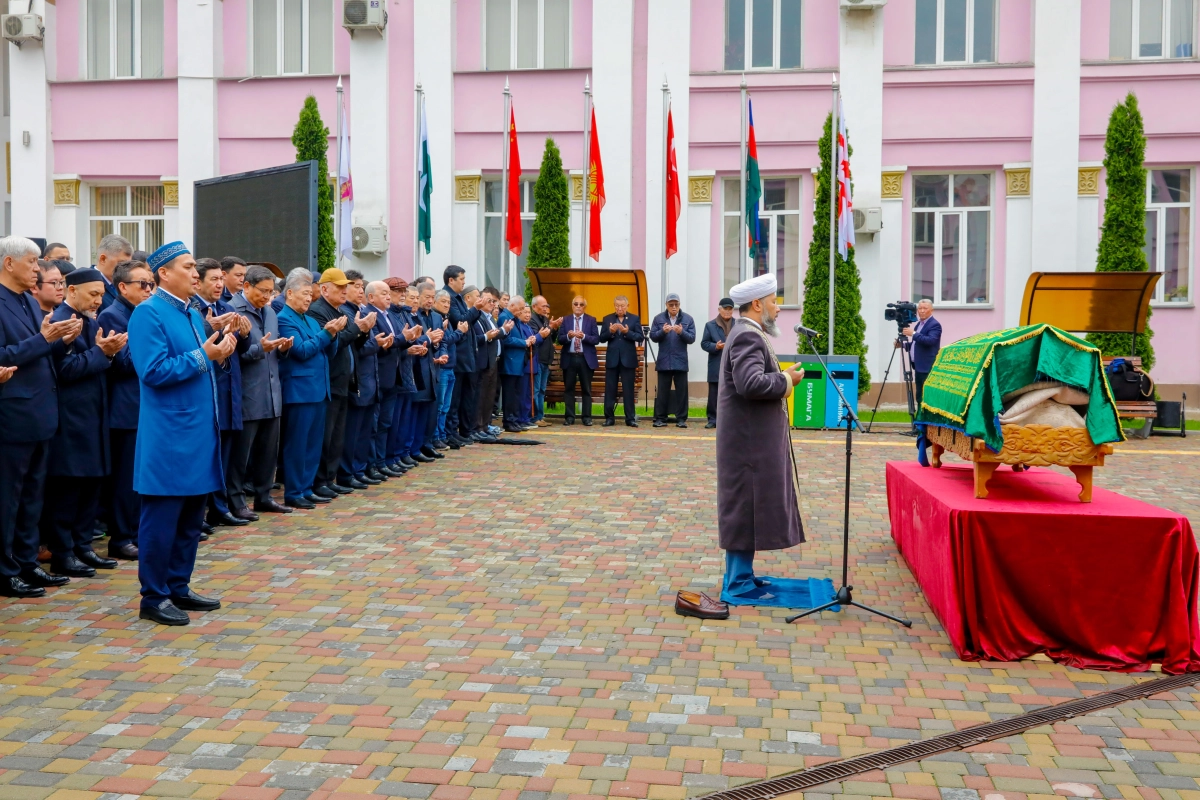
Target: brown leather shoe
698 604
44 555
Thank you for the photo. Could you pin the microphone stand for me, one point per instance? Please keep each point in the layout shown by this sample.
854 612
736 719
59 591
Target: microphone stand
844 596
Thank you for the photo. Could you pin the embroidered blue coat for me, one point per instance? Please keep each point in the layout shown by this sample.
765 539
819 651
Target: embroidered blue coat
178 444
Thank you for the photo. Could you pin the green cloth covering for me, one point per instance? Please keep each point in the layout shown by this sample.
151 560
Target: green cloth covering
969 378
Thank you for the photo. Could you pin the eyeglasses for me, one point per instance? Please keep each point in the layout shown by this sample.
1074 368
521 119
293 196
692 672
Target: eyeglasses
143 285
579 304
55 284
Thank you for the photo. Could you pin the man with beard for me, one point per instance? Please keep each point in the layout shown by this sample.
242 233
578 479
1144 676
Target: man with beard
757 495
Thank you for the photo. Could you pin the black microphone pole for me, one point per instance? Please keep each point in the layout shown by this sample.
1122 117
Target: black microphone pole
844 596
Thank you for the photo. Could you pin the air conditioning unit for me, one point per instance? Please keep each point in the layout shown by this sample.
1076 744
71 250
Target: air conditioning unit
369 239
863 5
20 28
364 14
868 220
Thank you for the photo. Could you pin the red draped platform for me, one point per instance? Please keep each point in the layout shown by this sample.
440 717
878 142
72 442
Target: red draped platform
1110 584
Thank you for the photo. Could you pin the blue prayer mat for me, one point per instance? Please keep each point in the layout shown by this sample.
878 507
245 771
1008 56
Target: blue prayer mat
785 593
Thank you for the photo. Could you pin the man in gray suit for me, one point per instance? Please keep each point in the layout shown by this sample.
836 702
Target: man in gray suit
255 446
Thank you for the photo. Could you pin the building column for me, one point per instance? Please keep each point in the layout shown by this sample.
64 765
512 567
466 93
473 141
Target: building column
891 251
200 59
1018 240
860 66
697 197
68 222
1056 74
612 91
433 54
31 67
1089 215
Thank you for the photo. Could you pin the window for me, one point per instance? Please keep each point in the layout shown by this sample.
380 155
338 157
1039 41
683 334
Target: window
1151 29
493 236
135 212
527 34
956 31
291 37
1169 232
952 260
124 39
774 34
779 225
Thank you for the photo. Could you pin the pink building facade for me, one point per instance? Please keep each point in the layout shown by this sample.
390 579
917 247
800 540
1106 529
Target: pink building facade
977 126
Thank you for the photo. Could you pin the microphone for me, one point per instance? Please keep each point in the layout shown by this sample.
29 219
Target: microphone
809 332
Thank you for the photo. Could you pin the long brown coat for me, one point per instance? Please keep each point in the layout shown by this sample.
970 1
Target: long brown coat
757 506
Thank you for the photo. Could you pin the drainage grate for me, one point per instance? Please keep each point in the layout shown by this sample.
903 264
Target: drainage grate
841 770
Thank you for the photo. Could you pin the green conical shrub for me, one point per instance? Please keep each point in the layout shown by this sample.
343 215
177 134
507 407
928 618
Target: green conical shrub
311 139
550 241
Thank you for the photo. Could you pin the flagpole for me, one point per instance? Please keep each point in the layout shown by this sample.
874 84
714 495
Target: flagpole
337 182
833 195
742 181
587 159
666 91
420 103
504 193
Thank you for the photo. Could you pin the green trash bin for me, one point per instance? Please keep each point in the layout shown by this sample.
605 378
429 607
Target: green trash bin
808 399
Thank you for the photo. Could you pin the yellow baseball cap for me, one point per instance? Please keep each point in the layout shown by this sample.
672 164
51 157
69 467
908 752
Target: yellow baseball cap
334 275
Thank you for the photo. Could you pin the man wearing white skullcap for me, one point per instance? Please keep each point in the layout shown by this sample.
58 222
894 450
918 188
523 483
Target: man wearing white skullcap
757 495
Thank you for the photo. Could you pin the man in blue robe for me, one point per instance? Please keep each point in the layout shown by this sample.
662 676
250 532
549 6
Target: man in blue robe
178 457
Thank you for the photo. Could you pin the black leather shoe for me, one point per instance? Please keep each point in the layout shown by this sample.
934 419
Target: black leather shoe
375 474
680 424
421 458
125 550
464 441
440 444
631 423
513 429
94 561
409 461
658 423
393 472
39 577
608 423
318 499
216 518
246 514
15 587
71 565
366 480
710 425
270 507
299 502
430 452
587 423
206 529
165 613
568 422
195 602
326 492
454 445
340 488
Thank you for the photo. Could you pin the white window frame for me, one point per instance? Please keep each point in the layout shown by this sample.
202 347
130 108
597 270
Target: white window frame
937 300
527 215
1161 224
747 263
512 36
940 34
85 42
305 37
776 37
1135 30
118 219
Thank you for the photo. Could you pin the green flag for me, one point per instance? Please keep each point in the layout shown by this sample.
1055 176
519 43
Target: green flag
753 188
426 183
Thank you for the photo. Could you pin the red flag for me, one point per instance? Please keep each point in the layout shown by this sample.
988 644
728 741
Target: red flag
595 193
673 203
514 234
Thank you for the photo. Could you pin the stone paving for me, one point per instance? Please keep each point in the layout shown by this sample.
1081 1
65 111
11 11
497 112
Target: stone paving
499 626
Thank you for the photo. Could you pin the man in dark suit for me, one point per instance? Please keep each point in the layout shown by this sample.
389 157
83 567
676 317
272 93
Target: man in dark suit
56 251
925 340
404 316
255 447
216 315
235 276
111 250
379 298
716 330
419 447
28 416
464 307
673 330
79 451
124 507
325 309
487 364
621 331
578 334
364 397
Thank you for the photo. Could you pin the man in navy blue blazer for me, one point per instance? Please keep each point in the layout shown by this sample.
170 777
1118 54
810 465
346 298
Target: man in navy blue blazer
622 332
124 507
28 416
925 340
111 250
578 334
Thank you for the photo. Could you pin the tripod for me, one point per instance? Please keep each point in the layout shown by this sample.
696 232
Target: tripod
844 596
907 372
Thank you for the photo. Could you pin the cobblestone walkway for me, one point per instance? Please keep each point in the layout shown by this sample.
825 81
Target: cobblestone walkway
498 625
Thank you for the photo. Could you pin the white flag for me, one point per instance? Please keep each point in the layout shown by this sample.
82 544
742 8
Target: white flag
845 211
345 185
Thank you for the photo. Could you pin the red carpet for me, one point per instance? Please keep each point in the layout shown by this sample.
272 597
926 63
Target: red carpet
1110 584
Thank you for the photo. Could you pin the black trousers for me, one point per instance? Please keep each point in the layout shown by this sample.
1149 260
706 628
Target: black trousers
335 437
489 381
462 406
576 371
218 501
626 377
22 483
920 385
670 401
69 515
252 461
124 504
710 410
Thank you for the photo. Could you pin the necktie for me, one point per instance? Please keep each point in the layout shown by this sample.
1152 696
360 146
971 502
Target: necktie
576 347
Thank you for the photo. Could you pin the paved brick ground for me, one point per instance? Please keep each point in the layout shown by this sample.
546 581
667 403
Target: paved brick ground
498 625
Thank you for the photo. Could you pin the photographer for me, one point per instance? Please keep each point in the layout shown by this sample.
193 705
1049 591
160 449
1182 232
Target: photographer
925 339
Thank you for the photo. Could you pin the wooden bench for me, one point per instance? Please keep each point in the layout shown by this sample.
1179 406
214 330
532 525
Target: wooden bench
1135 409
556 386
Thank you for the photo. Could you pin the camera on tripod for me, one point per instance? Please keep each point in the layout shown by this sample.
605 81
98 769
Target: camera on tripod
902 313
